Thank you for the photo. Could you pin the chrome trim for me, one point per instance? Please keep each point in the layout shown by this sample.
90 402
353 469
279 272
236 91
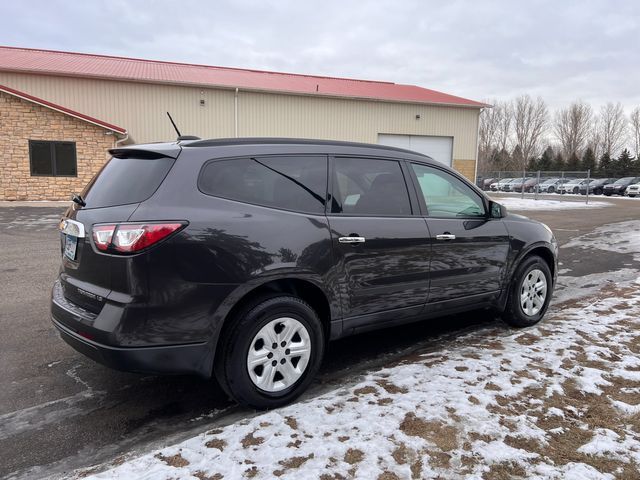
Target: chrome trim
351 239
445 236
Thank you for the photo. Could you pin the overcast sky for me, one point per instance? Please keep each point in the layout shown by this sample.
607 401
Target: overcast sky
561 50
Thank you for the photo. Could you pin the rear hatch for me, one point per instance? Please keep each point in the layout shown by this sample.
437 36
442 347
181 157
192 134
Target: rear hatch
129 178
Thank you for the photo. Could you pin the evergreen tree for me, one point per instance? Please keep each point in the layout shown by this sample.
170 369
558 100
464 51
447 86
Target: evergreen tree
624 164
517 159
558 163
588 161
573 164
545 162
605 169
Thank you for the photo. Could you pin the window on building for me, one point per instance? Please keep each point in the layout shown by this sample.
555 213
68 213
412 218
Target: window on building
289 182
53 159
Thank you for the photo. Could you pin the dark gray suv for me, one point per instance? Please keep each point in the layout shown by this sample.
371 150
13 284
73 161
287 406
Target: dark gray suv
241 258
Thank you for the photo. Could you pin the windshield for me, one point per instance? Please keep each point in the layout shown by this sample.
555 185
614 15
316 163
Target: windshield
623 180
551 180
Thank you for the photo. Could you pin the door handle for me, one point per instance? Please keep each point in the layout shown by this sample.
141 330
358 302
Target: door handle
351 240
445 236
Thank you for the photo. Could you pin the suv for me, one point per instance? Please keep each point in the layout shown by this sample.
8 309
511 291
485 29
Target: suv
241 258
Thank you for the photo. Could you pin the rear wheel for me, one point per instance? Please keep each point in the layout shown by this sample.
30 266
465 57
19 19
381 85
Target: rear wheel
529 293
271 352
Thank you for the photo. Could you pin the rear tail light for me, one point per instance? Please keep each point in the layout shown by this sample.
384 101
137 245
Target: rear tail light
131 237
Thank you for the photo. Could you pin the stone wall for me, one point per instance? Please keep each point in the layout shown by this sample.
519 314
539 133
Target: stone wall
21 121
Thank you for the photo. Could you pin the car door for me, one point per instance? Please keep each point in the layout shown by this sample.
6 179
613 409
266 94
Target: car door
381 246
469 249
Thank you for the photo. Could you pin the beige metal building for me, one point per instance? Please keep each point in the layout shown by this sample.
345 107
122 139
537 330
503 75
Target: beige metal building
125 101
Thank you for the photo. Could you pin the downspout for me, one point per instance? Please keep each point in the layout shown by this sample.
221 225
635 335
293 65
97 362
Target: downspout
235 112
123 139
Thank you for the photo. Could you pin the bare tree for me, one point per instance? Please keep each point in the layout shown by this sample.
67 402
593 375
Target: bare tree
634 120
530 119
612 128
494 131
572 128
503 132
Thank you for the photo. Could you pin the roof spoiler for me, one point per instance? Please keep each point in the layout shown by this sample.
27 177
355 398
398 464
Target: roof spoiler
147 152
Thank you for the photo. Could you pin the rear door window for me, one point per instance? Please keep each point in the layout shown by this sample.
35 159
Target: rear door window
295 182
126 180
364 186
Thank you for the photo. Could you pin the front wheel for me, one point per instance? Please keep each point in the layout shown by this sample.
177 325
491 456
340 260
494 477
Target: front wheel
529 293
271 352
551 190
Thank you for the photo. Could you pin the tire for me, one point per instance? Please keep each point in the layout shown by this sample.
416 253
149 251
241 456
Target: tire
575 190
250 329
597 191
514 314
551 190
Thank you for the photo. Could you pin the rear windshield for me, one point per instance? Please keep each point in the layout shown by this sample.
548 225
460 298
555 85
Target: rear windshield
126 180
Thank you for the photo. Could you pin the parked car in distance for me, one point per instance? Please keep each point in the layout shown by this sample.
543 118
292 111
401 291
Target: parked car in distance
619 187
242 258
633 190
551 185
596 186
486 183
508 186
497 186
528 185
572 186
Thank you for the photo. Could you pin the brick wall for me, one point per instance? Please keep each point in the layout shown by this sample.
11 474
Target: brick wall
21 121
466 168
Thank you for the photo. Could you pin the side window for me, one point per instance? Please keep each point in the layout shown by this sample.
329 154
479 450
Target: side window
289 182
445 195
363 186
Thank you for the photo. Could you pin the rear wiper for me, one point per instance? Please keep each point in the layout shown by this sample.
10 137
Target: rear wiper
78 199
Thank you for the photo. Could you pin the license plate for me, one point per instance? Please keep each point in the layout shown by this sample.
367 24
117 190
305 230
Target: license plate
70 246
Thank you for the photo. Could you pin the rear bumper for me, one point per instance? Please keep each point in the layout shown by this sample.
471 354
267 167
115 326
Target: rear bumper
71 321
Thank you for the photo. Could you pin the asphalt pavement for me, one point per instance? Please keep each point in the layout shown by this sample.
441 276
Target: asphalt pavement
60 411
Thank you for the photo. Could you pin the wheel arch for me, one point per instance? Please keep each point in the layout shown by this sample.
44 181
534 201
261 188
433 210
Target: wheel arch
540 249
303 288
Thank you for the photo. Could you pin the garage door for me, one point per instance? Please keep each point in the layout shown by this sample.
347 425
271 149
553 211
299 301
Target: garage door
438 148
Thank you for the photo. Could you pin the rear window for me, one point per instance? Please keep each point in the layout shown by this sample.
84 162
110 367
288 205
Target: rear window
126 180
294 182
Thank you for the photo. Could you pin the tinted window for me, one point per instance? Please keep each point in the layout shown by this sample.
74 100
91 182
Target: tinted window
126 180
289 182
445 195
364 186
53 158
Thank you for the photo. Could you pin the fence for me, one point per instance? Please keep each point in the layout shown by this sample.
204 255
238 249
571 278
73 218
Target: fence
537 182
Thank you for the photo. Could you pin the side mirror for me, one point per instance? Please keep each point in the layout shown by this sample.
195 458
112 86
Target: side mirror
496 210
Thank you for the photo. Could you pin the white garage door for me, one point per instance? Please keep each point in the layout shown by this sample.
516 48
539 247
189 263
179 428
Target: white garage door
438 148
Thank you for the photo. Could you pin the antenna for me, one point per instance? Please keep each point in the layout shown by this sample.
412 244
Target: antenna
174 125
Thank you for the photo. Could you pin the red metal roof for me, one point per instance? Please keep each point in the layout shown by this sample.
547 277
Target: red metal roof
59 108
48 62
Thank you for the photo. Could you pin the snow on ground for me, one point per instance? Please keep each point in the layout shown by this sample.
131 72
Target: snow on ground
544 204
622 237
557 401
